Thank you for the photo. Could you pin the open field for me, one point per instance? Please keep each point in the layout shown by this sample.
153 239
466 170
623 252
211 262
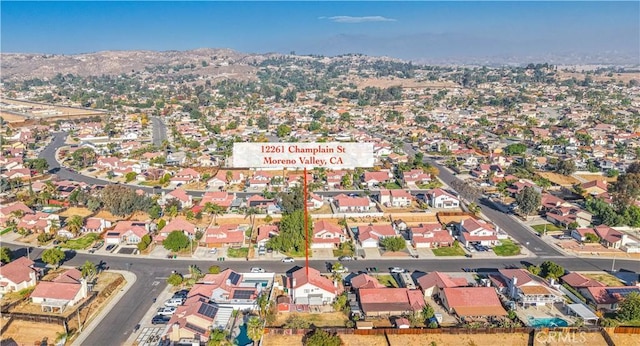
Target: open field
327 319
277 340
624 339
11 118
405 83
566 339
559 179
624 77
83 212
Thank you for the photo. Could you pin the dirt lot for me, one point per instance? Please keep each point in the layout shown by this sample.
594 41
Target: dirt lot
362 340
625 339
559 179
591 177
278 340
461 340
31 333
624 77
83 212
405 83
11 118
327 319
564 339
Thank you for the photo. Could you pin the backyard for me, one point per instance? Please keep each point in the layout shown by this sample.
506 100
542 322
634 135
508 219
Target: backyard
387 280
327 319
449 251
507 248
80 243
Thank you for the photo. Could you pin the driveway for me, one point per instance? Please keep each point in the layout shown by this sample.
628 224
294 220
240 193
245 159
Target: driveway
371 253
322 253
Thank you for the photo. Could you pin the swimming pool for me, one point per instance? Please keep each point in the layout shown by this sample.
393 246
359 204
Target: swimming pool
547 322
243 339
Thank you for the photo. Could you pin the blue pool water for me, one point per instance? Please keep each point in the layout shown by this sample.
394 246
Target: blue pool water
243 339
548 322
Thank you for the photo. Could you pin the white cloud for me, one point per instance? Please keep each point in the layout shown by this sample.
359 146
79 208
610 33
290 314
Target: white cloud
355 20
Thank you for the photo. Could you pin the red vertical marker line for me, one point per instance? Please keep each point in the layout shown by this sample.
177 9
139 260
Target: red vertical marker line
306 222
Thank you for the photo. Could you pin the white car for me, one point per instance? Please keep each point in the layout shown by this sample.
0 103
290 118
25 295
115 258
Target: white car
257 270
167 311
213 251
341 270
397 270
288 260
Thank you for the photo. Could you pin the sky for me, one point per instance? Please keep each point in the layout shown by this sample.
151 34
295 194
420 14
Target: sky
407 30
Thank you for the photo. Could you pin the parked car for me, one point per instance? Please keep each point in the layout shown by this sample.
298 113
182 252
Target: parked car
160 319
257 270
397 270
341 269
288 260
345 258
213 251
167 310
111 247
174 302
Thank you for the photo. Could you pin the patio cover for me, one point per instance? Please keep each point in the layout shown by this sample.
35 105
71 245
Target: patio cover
583 312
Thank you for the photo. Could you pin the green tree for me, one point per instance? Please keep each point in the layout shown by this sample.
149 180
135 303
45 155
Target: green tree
283 130
214 269
393 243
255 328
175 279
630 308
5 254
213 210
535 270
319 337
515 149
591 238
74 224
551 270
144 242
39 165
291 237
88 269
566 167
341 302
129 177
53 256
296 321
627 188
176 241
528 200
161 224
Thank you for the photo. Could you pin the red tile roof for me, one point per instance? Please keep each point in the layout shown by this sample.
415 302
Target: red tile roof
314 279
474 301
56 290
18 270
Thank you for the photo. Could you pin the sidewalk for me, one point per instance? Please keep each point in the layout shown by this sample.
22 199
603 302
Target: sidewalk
96 319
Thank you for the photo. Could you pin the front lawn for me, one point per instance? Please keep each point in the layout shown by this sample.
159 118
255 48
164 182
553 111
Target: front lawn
449 251
507 248
80 243
550 228
238 253
392 186
346 249
387 280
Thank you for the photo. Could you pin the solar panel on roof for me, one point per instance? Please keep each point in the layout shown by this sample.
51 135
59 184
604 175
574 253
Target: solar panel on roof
242 294
208 310
622 290
234 278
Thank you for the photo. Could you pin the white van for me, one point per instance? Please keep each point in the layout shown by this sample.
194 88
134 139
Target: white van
174 302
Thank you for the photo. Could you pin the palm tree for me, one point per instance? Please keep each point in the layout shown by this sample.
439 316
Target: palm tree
251 214
255 328
74 224
213 210
88 269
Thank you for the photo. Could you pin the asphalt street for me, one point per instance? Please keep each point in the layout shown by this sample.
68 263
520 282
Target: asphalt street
159 133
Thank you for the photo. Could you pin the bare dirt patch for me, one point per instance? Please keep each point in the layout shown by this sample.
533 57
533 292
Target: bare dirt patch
405 83
32 333
590 177
83 212
564 339
624 339
624 77
363 340
460 339
12 118
327 319
108 216
278 340
559 179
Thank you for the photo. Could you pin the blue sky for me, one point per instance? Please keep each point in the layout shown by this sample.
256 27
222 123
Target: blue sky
409 30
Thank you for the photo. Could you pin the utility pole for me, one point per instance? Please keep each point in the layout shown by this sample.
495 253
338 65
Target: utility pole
613 264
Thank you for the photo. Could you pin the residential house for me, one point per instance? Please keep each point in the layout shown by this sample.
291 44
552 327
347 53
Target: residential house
128 232
439 198
476 231
38 222
13 211
565 216
430 236
370 236
395 198
327 235
17 275
525 288
373 179
315 201
578 281
312 289
231 235
186 201
186 176
334 178
364 281
95 225
345 204
433 283
266 232
177 224
195 319
415 176
390 301
595 187
607 298
472 302
228 288
220 198
68 289
608 236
